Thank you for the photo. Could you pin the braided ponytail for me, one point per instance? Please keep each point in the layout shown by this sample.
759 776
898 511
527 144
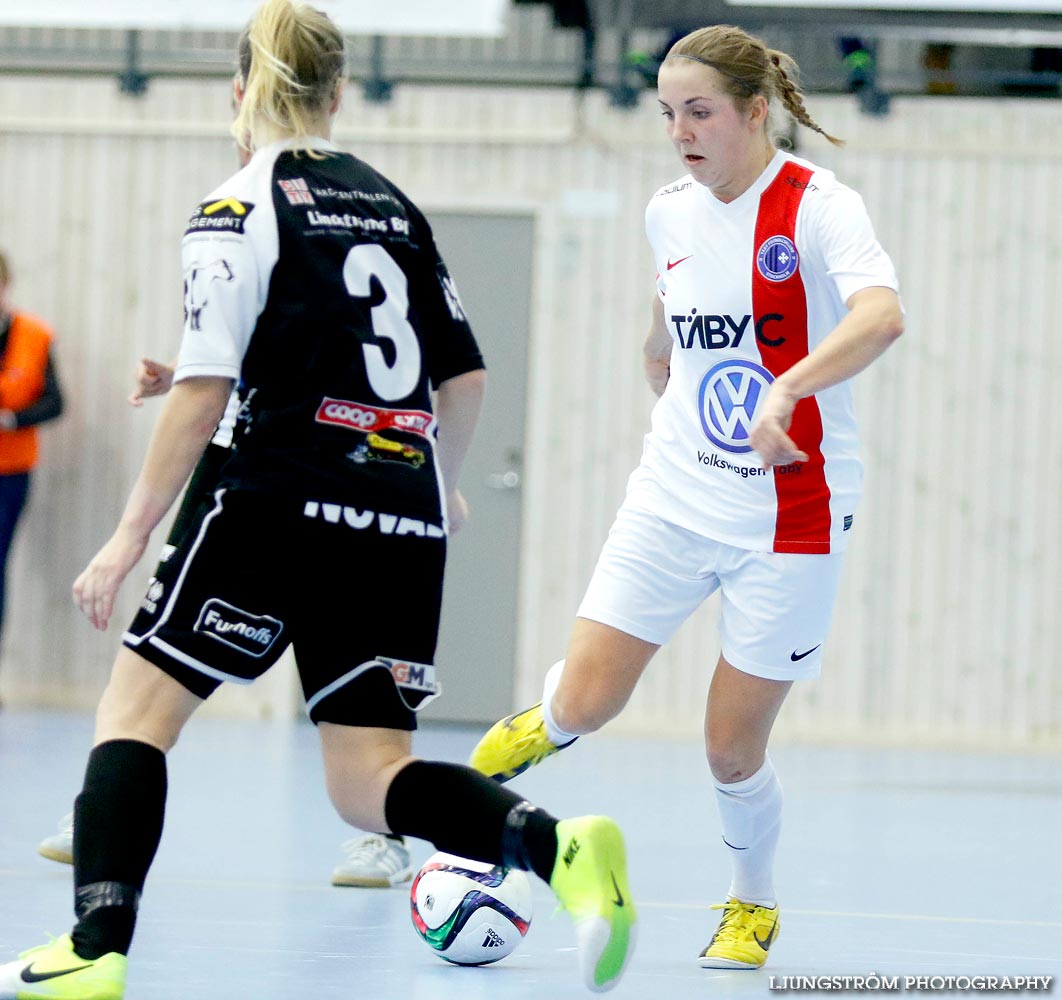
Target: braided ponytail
789 94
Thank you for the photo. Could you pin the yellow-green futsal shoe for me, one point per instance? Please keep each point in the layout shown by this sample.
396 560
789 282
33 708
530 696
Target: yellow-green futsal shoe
513 745
590 882
56 972
743 937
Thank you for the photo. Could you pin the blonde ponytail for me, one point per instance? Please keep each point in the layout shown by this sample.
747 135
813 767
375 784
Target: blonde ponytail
291 58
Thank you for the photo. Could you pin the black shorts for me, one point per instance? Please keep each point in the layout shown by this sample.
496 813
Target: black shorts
355 592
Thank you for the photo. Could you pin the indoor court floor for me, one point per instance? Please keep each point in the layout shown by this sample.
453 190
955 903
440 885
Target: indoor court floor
894 862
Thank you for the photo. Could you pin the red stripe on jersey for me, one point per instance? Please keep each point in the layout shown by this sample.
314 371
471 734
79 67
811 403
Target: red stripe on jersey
803 519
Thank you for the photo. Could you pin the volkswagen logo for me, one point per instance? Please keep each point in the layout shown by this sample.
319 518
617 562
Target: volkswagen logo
727 399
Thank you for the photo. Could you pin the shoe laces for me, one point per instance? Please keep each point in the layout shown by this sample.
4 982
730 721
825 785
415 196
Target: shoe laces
532 738
361 849
736 924
369 848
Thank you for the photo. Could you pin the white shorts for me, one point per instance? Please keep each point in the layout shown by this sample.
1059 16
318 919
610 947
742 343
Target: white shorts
776 606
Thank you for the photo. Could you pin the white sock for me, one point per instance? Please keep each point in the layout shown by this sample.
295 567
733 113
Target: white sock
751 814
557 736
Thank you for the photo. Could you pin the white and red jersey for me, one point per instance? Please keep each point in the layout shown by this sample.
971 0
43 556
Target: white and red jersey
749 288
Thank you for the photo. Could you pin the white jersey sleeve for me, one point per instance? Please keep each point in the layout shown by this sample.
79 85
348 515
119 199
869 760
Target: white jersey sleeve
851 254
228 254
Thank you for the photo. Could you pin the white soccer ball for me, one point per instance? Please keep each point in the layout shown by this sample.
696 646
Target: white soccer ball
469 912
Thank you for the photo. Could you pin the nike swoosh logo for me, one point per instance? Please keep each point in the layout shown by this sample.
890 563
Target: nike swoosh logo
618 898
794 656
770 937
29 976
670 265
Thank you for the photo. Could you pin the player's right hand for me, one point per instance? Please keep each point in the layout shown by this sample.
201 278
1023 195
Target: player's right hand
97 586
153 378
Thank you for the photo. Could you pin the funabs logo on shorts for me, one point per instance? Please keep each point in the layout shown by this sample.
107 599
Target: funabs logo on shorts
727 399
251 634
777 258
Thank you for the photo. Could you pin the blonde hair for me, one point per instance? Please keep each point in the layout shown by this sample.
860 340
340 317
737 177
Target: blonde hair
291 57
748 68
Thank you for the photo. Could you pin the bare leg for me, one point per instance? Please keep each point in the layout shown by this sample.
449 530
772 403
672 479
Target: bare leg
738 721
601 670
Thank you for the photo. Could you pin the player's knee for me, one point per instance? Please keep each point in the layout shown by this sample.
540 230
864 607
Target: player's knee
730 762
119 718
585 712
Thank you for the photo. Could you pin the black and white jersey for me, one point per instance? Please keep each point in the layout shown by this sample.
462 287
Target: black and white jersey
315 283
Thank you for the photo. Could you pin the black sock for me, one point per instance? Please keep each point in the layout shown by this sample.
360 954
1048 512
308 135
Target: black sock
117 827
463 812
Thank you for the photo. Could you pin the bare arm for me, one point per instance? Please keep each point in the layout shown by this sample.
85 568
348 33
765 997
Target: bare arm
874 321
457 407
185 424
656 354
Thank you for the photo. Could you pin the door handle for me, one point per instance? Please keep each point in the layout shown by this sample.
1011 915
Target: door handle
508 480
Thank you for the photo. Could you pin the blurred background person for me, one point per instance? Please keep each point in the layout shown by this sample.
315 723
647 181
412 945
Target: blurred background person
29 395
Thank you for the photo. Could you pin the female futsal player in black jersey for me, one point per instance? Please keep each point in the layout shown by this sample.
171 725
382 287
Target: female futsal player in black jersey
316 283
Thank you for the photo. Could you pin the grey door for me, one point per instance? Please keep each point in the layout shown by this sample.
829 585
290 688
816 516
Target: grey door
489 257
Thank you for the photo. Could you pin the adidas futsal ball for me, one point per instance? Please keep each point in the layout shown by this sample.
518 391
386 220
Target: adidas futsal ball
469 912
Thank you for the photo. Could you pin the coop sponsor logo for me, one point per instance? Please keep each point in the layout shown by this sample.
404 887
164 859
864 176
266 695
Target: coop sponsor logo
361 520
362 417
250 634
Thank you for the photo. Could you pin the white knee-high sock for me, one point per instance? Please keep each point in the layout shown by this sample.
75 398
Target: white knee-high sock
751 813
557 736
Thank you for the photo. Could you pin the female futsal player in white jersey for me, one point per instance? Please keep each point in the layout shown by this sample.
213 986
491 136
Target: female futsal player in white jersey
772 293
315 282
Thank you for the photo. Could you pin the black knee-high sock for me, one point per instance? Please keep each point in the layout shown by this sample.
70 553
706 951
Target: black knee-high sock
117 828
463 812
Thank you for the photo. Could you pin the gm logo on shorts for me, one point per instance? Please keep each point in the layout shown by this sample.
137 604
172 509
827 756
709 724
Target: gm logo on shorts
727 399
416 682
777 258
250 634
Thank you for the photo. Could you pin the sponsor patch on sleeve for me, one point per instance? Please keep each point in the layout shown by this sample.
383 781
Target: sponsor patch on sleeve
226 215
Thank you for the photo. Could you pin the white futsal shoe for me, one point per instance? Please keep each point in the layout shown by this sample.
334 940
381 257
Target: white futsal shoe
373 861
60 846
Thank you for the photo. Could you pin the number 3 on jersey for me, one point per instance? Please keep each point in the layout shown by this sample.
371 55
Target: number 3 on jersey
365 262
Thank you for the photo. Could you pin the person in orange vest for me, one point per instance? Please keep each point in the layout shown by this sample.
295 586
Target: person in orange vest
29 395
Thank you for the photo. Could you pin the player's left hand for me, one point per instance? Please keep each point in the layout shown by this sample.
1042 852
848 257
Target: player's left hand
97 586
456 510
769 435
